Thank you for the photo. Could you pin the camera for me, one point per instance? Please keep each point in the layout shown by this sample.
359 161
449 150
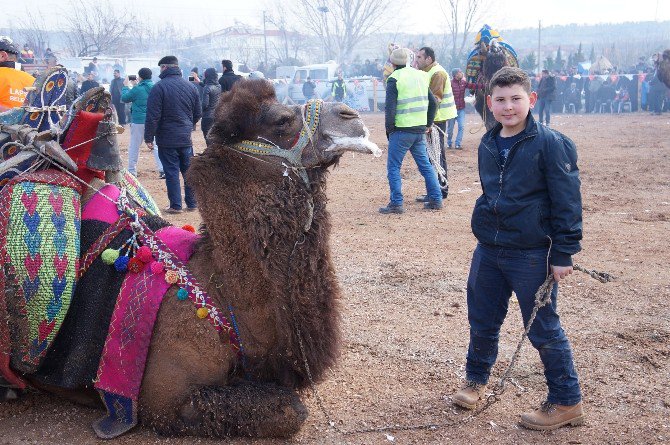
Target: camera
191 78
132 77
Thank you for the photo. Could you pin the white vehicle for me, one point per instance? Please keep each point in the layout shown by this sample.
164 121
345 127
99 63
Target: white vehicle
324 74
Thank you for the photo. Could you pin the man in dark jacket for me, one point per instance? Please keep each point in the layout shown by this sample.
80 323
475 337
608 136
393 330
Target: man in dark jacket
115 88
88 83
546 93
228 78
308 89
210 97
173 107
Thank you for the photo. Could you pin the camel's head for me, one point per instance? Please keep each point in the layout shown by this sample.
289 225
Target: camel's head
250 116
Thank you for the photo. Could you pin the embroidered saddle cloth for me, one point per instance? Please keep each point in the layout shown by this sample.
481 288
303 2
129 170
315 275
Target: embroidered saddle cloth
40 223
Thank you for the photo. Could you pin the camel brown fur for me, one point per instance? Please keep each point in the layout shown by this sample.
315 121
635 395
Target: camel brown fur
663 71
256 256
494 61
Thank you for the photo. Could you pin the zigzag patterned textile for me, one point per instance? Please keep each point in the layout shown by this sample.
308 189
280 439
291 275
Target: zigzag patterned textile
138 193
40 222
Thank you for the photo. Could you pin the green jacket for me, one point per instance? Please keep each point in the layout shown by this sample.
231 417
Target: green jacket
138 97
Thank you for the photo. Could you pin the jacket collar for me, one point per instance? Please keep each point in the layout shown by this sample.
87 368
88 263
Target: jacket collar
170 71
530 130
430 67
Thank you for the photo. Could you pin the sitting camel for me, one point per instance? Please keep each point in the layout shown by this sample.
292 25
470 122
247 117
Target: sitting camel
263 255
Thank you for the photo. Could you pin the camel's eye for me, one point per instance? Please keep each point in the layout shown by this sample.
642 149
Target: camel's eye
283 121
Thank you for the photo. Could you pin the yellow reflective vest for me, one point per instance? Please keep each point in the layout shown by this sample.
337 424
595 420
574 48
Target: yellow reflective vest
446 108
412 108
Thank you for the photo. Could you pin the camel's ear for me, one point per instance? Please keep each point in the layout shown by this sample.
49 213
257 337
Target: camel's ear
239 109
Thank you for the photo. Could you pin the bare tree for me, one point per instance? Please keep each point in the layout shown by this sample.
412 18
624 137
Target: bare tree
93 28
34 30
461 17
342 24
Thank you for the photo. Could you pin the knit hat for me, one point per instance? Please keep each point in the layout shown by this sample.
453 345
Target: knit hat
7 45
399 57
168 60
455 71
145 73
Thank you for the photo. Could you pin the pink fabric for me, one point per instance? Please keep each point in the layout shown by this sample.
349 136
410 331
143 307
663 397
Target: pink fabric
100 208
125 352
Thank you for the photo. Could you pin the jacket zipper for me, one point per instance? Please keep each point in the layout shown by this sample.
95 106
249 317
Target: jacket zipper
500 180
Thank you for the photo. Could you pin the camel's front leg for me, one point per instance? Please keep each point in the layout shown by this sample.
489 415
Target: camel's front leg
243 409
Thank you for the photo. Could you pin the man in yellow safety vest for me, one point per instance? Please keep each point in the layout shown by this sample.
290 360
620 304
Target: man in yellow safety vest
410 110
440 86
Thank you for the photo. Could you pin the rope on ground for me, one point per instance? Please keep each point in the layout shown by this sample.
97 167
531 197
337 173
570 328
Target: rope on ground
542 298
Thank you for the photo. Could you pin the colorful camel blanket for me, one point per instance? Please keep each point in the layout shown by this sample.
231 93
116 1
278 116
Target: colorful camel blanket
127 345
39 250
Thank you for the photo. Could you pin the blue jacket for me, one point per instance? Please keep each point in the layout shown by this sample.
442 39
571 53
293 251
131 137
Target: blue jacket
533 200
138 96
173 108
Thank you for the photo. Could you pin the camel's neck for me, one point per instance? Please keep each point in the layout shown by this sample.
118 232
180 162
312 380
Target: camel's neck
277 276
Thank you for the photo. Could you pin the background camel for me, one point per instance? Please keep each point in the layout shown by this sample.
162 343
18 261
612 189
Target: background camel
264 253
663 71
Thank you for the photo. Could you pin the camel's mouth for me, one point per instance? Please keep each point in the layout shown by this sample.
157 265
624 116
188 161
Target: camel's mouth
360 144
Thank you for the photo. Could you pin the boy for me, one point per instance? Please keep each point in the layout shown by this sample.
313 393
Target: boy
528 222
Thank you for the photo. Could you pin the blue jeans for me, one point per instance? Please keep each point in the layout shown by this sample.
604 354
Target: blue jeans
494 274
399 143
177 160
544 108
460 119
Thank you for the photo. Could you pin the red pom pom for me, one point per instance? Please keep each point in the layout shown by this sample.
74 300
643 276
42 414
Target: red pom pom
135 265
157 267
144 254
188 228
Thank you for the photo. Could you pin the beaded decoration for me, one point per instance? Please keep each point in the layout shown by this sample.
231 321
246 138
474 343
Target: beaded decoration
39 248
312 114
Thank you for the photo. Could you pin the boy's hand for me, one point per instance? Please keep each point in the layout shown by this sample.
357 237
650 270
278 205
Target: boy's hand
561 272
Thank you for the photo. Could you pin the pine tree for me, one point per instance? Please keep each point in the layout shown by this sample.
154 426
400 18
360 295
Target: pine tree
529 63
571 61
579 57
592 56
558 62
549 63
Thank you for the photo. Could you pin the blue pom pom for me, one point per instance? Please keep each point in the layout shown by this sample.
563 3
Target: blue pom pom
182 294
121 263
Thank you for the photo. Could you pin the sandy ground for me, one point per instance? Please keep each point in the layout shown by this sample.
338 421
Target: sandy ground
405 317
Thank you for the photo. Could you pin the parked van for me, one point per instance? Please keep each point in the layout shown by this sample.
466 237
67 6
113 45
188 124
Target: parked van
324 74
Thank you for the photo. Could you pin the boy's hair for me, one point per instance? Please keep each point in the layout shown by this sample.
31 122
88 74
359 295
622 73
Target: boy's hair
508 76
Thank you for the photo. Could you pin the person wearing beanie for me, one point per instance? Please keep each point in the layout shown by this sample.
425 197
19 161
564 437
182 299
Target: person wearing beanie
173 107
210 97
137 96
410 110
12 81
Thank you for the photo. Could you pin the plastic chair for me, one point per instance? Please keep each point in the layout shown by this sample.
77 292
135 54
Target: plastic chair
624 105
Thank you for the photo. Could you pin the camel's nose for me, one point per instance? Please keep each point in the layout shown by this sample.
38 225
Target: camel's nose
346 112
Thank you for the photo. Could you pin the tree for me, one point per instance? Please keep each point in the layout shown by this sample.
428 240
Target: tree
93 28
558 61
291 40
34 30
461 16
579 57
592 56
342 24
529 62
549 63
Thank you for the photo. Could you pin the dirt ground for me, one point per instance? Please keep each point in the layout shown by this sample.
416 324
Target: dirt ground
405 316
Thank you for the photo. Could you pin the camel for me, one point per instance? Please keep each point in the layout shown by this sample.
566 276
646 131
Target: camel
490 54
264 253
663 70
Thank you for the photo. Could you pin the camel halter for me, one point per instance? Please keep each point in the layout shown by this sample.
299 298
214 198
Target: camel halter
311 113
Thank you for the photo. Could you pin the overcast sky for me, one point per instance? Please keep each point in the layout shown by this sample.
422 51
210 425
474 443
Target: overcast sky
203 16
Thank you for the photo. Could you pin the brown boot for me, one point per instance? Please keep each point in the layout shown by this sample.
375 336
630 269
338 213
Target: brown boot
550 416
468 396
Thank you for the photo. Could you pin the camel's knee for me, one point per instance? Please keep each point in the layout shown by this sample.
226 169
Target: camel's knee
247 409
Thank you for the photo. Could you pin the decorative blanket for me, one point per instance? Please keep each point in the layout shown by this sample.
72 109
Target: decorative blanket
39 250
127 345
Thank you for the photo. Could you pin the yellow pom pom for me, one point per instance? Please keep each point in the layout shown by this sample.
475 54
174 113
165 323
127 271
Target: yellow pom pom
109 256
202 312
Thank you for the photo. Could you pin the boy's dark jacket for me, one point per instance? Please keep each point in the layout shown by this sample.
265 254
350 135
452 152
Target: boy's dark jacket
532 201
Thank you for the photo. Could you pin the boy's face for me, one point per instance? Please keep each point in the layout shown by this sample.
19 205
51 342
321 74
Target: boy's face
510 106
